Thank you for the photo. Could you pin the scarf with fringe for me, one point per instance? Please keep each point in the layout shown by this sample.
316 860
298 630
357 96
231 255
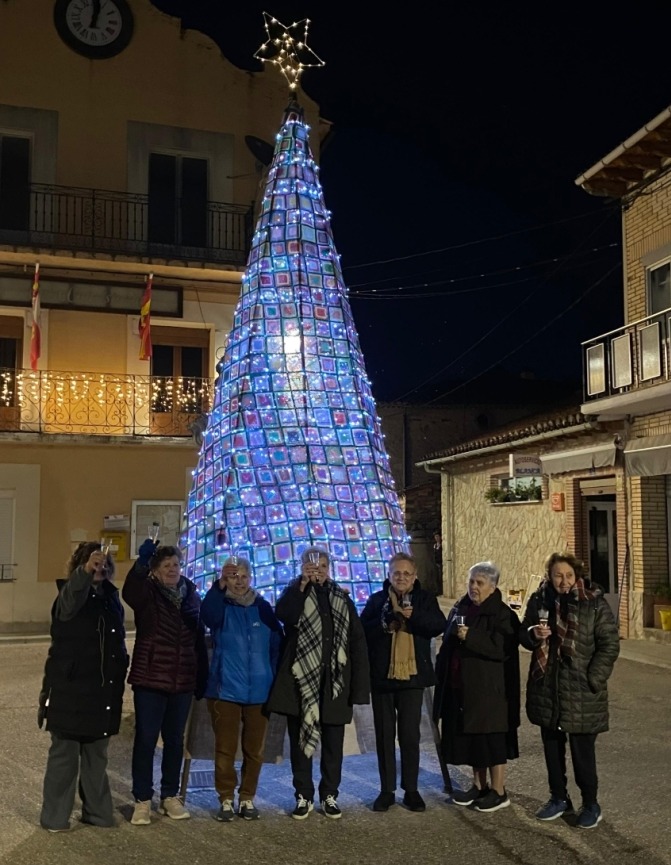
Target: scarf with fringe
307 669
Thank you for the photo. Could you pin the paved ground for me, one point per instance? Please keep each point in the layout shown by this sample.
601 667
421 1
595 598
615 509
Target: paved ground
634 762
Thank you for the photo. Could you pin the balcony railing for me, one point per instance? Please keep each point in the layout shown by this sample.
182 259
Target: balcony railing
632 357
97 220
112 404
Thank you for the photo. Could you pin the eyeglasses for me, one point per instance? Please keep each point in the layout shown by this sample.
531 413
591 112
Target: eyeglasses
403 573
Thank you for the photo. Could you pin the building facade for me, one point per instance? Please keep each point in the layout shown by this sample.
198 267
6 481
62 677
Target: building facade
127 148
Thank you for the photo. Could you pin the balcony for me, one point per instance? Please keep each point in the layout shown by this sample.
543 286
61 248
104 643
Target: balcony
109 404
100 221
628 371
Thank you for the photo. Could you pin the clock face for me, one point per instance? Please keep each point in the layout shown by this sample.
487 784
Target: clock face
95 28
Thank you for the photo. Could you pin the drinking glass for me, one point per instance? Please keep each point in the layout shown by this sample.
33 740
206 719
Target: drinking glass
313 557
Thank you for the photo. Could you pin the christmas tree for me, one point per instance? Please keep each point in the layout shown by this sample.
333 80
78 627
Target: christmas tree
293 455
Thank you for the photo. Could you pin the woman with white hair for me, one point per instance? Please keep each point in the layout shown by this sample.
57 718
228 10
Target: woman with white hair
477 698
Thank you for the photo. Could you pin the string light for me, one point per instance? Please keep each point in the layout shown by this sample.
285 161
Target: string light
286 49
293 454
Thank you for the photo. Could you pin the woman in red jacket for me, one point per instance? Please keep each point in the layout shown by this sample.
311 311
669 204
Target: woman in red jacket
169 666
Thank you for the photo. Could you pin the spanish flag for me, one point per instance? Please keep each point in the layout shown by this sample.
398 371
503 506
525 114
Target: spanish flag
145 320
36 335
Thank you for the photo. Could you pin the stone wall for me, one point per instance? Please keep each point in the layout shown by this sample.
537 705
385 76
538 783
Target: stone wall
517 536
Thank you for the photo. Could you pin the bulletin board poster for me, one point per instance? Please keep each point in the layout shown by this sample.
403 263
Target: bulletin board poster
144 516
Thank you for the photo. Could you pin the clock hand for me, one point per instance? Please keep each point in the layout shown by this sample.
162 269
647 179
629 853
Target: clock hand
96 14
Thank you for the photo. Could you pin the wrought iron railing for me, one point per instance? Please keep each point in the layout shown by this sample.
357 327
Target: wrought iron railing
634 356
87 403
98 220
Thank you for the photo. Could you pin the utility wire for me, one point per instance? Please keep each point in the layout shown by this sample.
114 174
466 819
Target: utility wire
386 293
502 321
529 339
512 269
480 240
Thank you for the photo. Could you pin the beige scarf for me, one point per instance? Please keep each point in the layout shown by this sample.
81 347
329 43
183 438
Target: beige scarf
402 664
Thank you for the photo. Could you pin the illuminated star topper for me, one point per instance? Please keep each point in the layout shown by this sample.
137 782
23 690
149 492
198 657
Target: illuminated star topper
286 48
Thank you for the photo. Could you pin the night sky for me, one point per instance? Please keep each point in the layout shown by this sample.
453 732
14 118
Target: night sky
465 244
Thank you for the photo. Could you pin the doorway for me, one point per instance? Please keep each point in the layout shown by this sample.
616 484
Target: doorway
602 535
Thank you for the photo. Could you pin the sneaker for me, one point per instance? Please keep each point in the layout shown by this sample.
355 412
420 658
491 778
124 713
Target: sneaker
330 808
302 809
414 802
467 797
589 817
172 807
493 801
55 831
141 813
384 802
225 813
247 810
554 808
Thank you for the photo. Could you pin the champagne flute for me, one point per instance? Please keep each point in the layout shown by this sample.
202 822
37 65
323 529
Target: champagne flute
104 546
313 557
460 620
543 617
406 601
153 531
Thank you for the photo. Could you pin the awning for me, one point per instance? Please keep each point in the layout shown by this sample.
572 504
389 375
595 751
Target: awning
648 456
592 457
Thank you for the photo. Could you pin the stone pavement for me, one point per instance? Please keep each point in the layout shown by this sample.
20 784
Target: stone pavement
634 760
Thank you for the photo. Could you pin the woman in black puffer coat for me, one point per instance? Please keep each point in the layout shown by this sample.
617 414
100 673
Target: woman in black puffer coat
569 628
82 690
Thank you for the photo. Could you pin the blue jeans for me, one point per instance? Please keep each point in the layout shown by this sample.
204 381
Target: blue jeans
158 712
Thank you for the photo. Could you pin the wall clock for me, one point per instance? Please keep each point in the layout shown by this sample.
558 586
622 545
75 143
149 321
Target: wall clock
97 29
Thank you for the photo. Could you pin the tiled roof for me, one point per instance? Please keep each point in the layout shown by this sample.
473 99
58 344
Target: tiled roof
514 432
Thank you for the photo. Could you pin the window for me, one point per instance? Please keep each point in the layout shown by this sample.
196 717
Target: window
11 360
505 489
659 288
6 534
14 183
179 371
178 197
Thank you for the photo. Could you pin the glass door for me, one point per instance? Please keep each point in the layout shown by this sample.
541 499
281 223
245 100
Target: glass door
602 525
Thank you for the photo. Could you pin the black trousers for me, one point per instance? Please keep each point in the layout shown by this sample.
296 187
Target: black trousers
583 757
330 765
398 711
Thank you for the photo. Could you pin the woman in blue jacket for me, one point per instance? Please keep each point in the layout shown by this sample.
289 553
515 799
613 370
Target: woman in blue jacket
246 641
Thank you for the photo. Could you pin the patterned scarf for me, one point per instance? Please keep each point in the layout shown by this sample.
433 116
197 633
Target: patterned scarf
566 625
173 594
306 668
402 663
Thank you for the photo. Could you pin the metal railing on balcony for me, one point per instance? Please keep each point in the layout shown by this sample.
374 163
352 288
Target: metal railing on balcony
113 404
98 220
634 356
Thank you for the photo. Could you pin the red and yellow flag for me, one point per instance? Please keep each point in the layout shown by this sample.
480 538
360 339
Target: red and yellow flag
145 320
36 334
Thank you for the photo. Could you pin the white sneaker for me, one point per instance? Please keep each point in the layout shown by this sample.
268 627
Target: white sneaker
172 807
141 813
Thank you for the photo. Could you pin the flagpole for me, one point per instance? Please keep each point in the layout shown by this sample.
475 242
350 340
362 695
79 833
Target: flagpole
36 332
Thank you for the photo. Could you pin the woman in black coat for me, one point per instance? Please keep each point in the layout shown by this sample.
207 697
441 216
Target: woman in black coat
400 622
477 698
323 673
569 628
82 690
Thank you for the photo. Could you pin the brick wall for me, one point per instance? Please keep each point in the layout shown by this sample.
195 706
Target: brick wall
647 223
